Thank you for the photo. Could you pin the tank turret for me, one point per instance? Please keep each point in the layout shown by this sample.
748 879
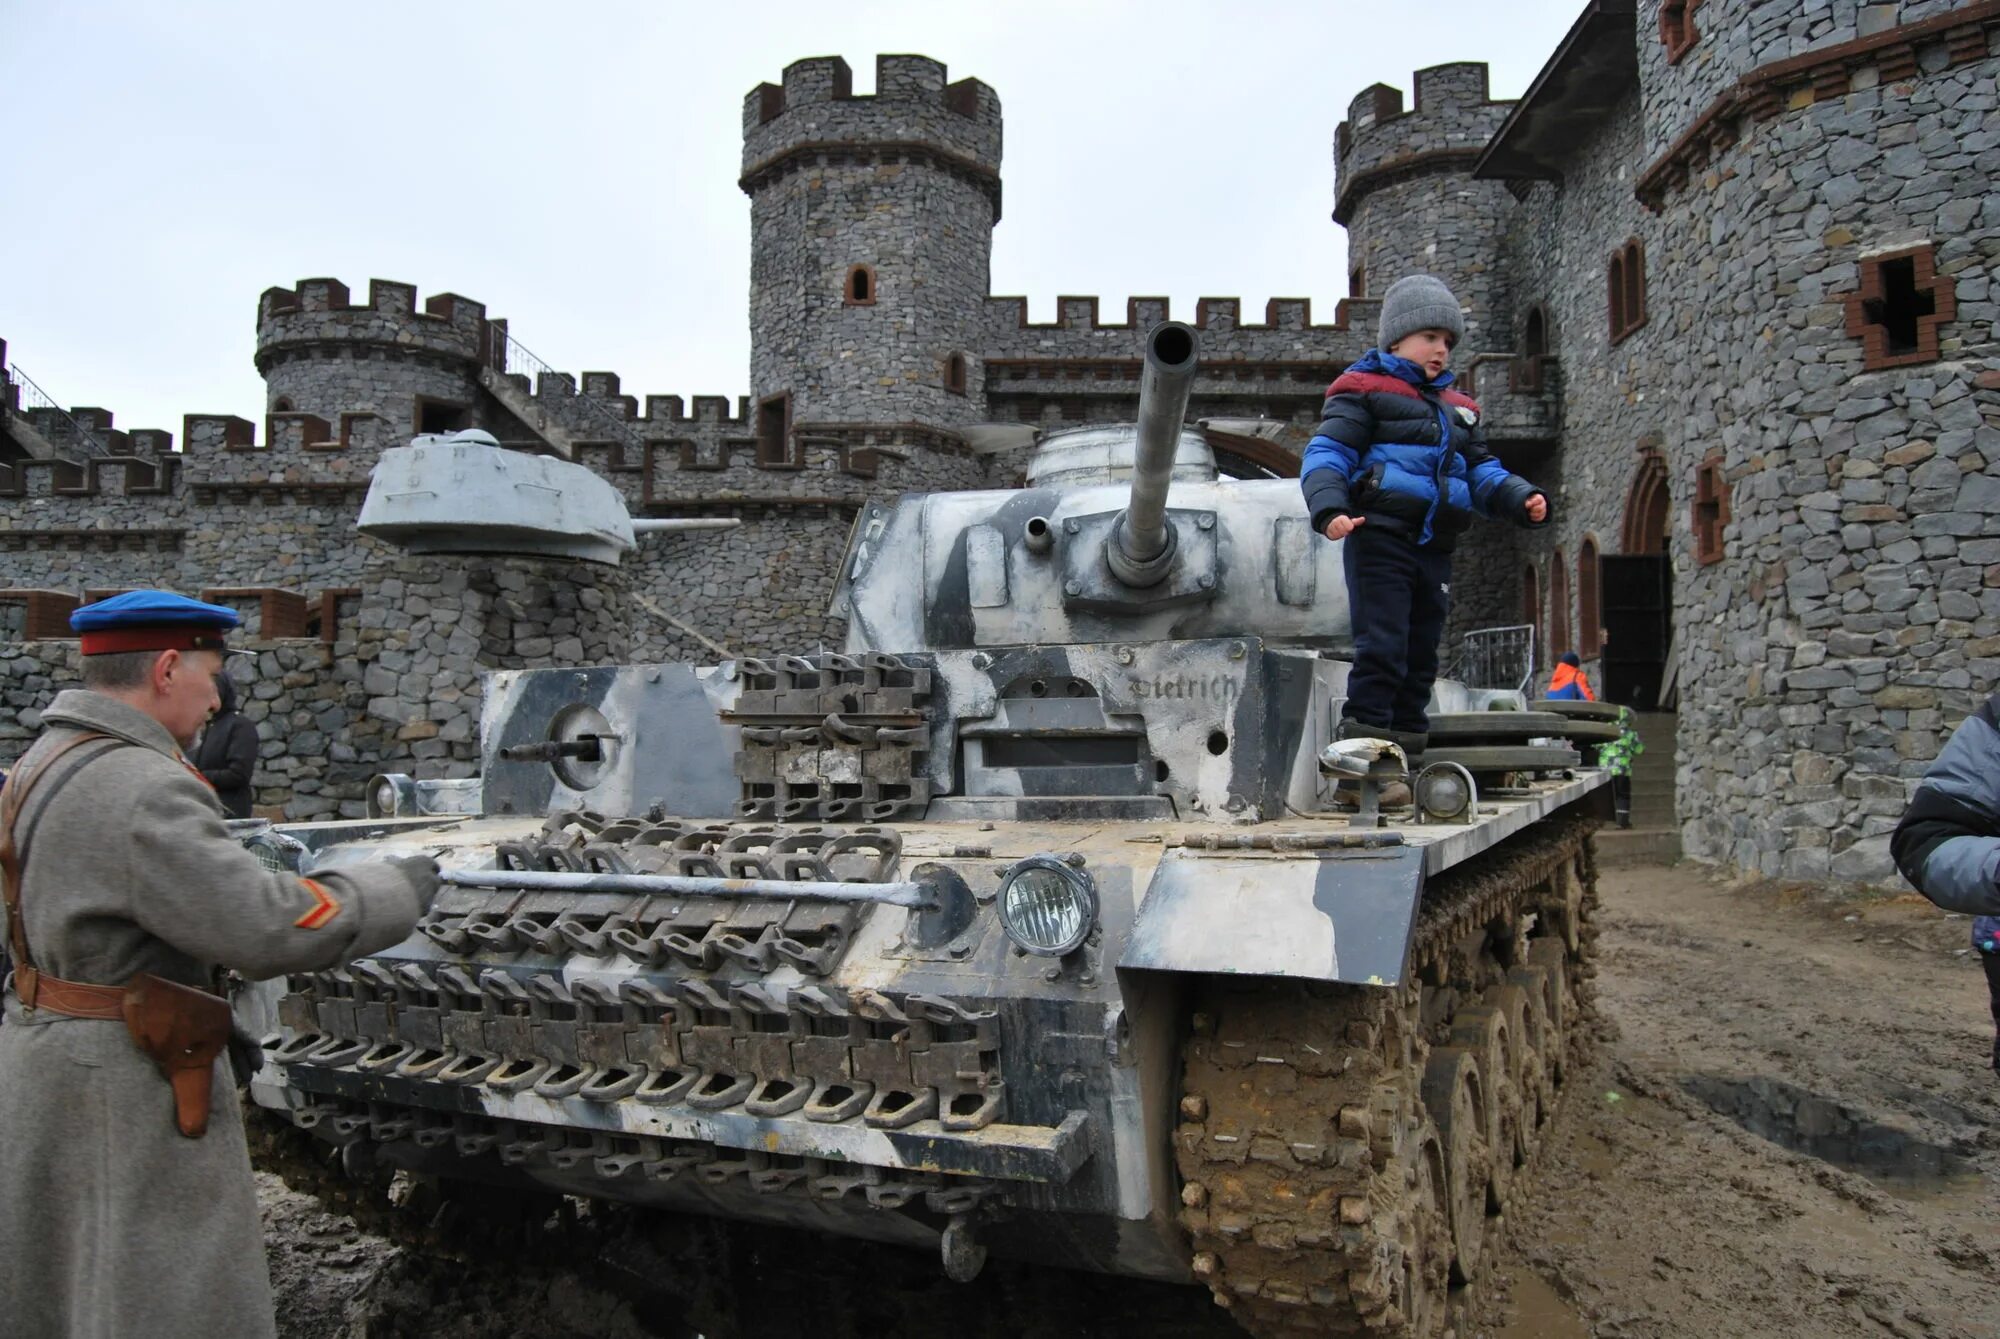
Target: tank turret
1124 532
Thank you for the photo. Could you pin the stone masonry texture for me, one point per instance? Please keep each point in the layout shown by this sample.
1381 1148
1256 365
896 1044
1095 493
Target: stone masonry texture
1849 620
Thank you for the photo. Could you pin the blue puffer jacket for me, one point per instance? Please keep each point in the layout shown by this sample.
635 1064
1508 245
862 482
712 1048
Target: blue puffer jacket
1948 843
1407 455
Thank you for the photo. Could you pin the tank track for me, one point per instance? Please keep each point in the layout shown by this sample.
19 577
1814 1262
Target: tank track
1343 1150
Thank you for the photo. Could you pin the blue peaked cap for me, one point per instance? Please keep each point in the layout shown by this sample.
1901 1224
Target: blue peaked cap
152 609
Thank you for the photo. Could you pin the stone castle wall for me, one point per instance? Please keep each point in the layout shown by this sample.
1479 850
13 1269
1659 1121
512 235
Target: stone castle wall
1404 192
398 689
1850 622
1736 37
904 184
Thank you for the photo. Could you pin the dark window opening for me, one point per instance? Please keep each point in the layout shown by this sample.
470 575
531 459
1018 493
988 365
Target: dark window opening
1589 613
1531 603
1635 286
954 374
1558 605
282 405
1899 308
1073 751
433 416
861 286
1357 282
1901 304
1535 339
1616 284
1527 371
1677 30
1626 280
774 424
1711 511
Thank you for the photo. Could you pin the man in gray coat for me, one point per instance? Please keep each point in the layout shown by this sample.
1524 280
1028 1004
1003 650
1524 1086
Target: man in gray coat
117 1222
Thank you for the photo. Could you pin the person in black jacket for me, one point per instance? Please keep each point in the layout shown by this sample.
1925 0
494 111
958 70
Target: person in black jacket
1948 842
227 754
1397 470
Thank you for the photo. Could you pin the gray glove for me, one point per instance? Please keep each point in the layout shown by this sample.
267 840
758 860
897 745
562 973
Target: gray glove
422 872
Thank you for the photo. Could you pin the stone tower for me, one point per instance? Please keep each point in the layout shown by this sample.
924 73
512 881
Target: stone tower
418 371
1405 193
871 240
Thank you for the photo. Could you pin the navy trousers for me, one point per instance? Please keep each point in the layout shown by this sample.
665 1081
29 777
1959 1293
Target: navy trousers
1397 594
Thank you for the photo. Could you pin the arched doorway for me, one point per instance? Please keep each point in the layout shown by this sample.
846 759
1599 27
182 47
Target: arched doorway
1636 591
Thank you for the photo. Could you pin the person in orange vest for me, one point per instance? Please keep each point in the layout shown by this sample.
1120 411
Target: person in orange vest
1568 681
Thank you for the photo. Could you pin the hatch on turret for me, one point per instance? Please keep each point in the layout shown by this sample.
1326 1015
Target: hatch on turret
1103 453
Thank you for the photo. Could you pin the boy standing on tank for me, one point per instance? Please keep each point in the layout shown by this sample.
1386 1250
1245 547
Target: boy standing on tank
1397 470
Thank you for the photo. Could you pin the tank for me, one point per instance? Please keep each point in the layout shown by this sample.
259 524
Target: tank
1032 922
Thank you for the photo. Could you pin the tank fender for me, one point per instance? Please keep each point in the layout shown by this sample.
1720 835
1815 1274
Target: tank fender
1335 915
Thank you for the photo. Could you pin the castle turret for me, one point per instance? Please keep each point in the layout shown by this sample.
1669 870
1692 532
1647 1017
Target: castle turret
1405 193
871 238
418 370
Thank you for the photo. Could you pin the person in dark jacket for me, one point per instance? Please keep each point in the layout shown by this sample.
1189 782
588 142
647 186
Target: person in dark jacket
1948 842
227 754
1397 470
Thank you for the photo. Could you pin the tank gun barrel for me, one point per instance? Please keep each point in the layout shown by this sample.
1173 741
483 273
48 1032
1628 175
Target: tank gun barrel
1141 549
674 525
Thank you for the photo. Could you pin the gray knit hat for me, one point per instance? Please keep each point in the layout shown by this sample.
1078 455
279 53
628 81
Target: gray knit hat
1418 302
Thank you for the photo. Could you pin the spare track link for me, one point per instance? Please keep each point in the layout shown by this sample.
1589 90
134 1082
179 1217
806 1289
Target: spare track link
1342 1149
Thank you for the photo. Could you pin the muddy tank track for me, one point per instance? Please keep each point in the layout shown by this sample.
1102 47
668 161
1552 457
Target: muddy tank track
1344 1151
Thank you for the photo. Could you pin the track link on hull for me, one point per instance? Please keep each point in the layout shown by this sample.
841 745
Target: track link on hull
1342 1149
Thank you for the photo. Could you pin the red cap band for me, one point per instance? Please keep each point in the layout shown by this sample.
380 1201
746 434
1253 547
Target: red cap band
110 641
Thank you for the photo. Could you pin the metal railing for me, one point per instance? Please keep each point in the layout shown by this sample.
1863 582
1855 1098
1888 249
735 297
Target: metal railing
34 398
515 352
1496 658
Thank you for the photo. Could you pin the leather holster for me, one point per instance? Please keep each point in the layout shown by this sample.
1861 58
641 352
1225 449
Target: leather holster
183 1029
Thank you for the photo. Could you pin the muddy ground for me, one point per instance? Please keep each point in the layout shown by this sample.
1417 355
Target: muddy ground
1788 1127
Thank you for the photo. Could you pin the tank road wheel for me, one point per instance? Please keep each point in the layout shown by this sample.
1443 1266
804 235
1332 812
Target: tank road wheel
1482 1031
1341 1147
1564 906
1451 1093
1401 1291
1524 1071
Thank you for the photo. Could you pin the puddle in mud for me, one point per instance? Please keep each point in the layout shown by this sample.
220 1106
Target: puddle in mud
1825 1129
1539 1312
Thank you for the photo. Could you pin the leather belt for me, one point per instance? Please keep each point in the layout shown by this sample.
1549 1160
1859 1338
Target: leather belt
72 999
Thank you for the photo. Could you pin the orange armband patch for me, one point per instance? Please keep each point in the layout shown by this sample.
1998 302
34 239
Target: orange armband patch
325 906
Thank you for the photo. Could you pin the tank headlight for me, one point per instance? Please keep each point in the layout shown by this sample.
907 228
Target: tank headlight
391 795
1047 906
278 852
1445 793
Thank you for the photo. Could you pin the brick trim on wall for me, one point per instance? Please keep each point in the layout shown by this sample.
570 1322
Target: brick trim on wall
1677 28
1874 336
1798 82
1709 510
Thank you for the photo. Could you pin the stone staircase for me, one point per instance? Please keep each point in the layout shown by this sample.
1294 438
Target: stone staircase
1655 835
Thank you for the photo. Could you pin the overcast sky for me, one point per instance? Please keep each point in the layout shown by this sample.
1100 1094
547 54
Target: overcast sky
574 166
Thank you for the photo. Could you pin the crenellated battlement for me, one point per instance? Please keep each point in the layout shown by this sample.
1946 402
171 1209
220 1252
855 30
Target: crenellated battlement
1143 313
1453 119
551 389
318 317
100 476
820 81
915 115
